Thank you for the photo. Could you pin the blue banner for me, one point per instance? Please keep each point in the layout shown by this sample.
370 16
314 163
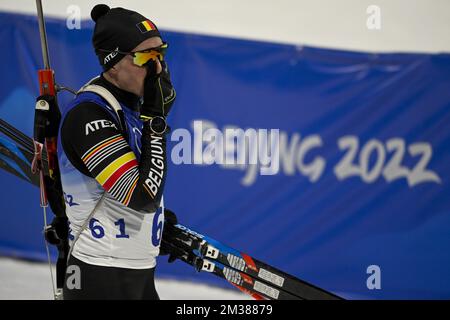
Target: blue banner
330 165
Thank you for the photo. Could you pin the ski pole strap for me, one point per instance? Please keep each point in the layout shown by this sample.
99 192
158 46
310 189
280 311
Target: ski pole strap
36 167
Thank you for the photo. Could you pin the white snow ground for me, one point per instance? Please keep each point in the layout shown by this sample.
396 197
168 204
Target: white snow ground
23 280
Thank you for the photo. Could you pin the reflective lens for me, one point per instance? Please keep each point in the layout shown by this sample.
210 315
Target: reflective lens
142 57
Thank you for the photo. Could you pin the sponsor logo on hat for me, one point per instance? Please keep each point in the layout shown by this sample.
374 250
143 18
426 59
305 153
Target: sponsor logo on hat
111 56
146 26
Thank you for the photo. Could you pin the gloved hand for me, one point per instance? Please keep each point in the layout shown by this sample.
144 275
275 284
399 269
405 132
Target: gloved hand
159 93
170 219
57 231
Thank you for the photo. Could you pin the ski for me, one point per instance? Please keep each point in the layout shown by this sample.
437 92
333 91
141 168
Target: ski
247 284
213 250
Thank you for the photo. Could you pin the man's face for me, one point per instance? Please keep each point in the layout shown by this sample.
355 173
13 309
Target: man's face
129 76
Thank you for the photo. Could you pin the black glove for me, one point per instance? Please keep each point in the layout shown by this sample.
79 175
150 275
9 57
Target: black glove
159 93
170 219
57 231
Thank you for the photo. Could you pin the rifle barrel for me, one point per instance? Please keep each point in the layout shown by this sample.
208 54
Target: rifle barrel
43 34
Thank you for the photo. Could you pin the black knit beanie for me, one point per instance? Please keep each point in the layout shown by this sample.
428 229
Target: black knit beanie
118 29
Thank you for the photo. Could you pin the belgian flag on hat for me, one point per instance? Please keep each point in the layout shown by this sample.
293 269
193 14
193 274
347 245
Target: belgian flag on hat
118 29
146 26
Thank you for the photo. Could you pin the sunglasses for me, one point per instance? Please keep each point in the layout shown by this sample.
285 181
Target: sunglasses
141 57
